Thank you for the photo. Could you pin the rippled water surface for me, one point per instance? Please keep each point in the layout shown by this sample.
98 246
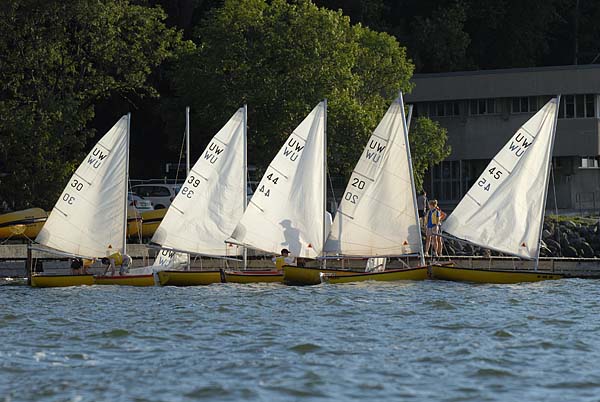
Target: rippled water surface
419 341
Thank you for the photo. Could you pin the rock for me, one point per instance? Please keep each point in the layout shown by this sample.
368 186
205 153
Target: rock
587 251
552 245
570 225
569 251
546 234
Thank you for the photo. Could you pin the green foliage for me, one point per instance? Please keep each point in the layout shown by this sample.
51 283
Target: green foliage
427 147
442 40
59 59
281 59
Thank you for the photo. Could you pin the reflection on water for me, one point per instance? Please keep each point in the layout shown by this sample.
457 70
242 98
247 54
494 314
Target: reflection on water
418 341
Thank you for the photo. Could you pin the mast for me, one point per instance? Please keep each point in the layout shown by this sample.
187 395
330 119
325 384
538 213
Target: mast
324 180
412 177
187 140
245 140
126 185
187 158
543 213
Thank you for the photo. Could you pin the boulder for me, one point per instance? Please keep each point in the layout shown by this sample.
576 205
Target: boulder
587 251
569 251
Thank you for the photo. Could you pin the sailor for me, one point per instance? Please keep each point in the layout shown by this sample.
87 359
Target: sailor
433 222
122 260
284 259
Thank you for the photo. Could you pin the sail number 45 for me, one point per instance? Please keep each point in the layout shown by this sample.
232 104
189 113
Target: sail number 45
495 173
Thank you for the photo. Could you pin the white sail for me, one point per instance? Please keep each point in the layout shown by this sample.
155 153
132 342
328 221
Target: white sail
503 210
89 216
377 215
376 264
287 210
211 201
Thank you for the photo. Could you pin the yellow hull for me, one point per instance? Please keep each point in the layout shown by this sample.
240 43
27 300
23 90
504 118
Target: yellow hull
488 276
151 220
254 277
189 278
411 274
22 224
59 281
125 280
309 276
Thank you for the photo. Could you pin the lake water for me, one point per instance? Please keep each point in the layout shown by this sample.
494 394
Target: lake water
420 341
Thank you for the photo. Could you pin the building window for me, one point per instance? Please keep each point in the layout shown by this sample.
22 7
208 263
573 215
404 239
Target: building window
577 106
526 104
588 162
482 106
438 109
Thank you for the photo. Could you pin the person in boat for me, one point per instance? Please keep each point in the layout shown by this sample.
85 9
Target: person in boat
122 260
422 206
284 259
432 228
76 266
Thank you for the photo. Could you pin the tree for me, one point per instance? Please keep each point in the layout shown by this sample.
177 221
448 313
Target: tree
59 59
427 147
281 59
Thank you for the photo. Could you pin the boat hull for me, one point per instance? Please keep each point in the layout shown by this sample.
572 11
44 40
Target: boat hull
460 274
409 274
301 276
25 224
190 278
60 281
254 276
125 280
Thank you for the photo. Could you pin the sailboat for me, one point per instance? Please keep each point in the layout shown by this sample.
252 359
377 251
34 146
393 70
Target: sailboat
504 209
208 206
377 216
90 215
287 209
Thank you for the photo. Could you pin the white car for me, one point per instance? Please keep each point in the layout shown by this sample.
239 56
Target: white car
161 195
139 203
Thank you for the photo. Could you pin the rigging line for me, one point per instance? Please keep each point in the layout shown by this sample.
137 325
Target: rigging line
180 157
555 205
332 192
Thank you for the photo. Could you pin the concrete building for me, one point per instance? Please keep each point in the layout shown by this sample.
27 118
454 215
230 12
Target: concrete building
482 109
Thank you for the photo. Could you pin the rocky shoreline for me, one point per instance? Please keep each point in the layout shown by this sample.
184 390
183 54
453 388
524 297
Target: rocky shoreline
576 238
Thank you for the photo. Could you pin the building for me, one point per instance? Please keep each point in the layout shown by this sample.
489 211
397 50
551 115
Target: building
483 109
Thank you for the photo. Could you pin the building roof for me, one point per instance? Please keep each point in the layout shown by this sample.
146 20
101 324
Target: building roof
506 83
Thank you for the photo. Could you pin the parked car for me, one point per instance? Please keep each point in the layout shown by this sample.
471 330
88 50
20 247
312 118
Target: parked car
139 203
161 195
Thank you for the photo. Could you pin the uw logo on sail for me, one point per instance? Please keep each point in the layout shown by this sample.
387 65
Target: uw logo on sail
292 149
213 152
374 150
96 157
519 145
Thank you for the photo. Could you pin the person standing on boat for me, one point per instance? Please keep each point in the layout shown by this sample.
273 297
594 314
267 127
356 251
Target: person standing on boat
434 221
422 206
284 259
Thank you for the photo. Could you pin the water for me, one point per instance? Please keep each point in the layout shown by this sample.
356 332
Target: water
420 341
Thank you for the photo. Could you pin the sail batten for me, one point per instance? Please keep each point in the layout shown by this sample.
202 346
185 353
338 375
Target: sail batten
88 217
377 215
287 208
211 200
504 209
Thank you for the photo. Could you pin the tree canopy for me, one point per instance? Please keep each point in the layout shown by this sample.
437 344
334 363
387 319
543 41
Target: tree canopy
58 60
282 59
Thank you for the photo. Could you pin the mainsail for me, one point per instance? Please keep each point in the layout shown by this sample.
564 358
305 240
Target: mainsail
211 201
504 209
377 215
287 210
89 216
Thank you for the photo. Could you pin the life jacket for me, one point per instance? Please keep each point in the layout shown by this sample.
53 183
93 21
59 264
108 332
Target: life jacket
118 257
